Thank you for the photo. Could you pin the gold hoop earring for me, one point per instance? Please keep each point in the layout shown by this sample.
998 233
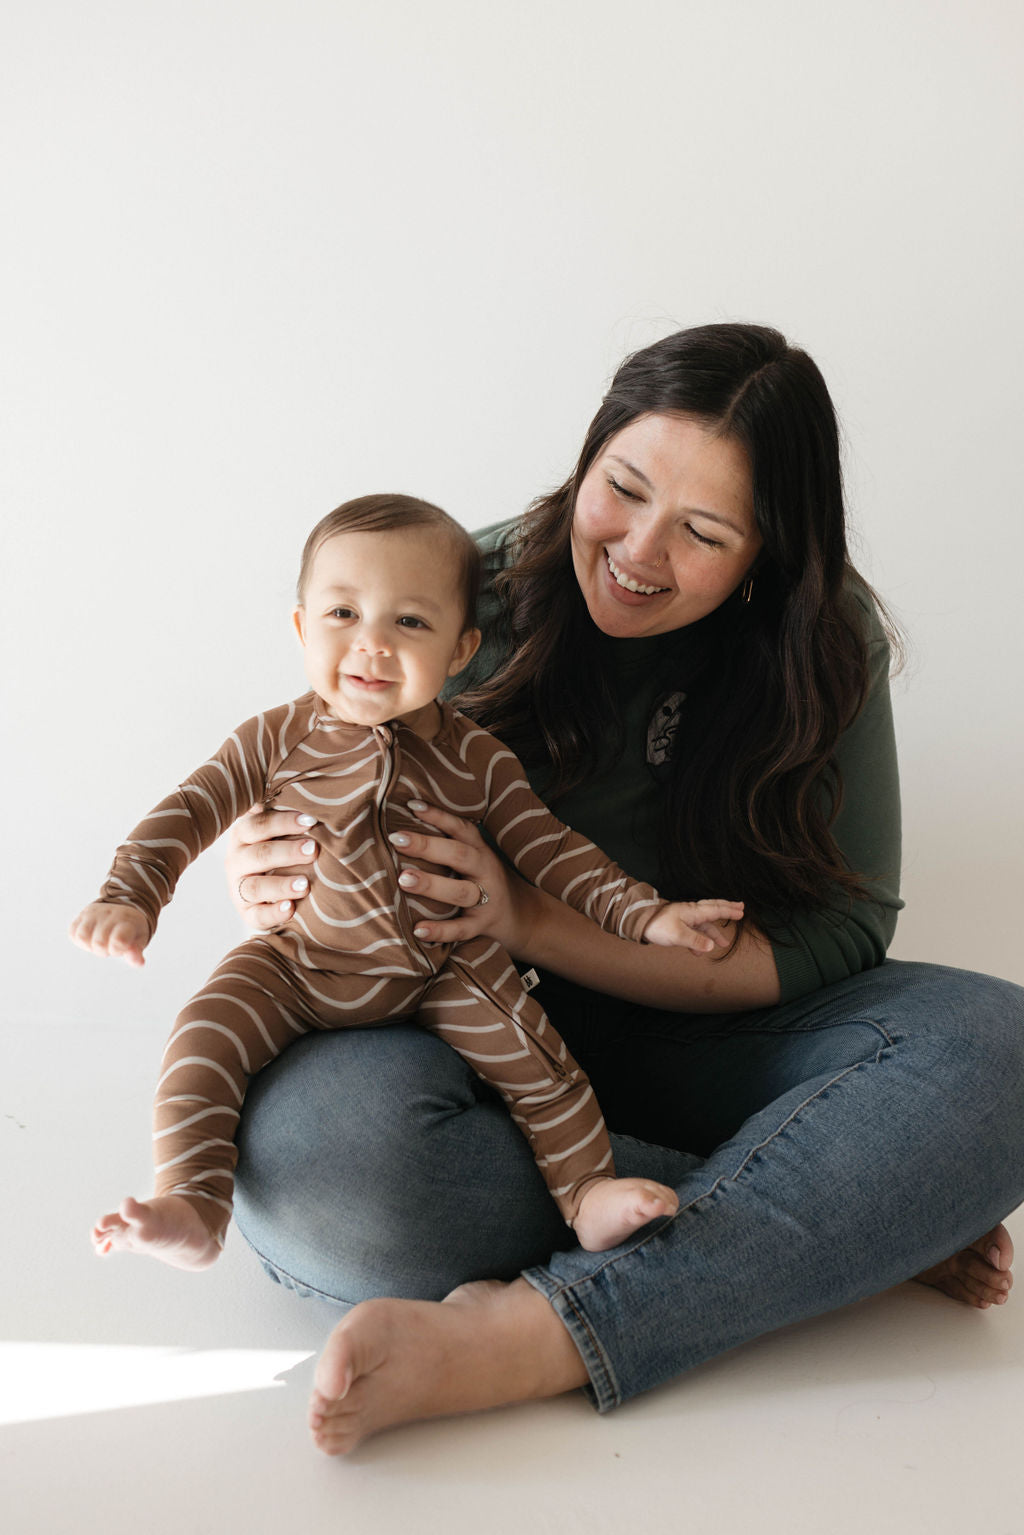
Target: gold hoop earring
748 589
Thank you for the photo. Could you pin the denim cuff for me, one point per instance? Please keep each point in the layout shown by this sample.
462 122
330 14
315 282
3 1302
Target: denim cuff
603 1390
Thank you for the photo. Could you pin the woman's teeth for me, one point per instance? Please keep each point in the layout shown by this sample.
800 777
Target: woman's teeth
628 582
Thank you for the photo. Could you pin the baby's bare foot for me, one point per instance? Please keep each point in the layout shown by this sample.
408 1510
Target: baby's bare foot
613 1209
165 1227
391 1361
979 1275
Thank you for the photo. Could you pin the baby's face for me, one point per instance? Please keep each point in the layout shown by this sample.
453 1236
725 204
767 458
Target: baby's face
382 624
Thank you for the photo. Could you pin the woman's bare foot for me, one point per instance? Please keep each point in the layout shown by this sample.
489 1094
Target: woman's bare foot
165 1227
614 1208
980 1274
391 1361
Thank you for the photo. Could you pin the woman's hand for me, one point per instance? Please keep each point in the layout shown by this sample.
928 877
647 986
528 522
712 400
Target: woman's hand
268 854
475 871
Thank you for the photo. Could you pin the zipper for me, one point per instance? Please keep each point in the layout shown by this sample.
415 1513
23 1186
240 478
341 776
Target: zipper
391 758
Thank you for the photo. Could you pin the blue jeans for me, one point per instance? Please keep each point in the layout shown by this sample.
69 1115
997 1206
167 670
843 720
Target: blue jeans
822 1150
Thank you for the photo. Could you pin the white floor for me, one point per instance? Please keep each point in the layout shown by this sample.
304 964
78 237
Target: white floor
135 1398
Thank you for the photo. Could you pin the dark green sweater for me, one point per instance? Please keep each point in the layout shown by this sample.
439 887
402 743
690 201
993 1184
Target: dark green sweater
618 807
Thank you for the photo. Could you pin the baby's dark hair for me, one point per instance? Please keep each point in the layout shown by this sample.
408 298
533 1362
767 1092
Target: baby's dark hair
387 514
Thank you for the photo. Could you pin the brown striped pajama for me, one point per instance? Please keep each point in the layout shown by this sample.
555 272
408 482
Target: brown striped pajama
347 957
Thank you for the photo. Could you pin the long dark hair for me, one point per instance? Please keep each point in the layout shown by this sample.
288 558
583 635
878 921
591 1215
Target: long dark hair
771 683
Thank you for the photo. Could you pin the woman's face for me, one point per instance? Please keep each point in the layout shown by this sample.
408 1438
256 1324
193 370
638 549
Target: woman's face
663 530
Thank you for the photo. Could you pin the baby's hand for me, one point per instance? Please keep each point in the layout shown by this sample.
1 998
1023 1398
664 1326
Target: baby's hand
693 925
106 927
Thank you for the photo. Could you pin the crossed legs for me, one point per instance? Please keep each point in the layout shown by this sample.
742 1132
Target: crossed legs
893 1153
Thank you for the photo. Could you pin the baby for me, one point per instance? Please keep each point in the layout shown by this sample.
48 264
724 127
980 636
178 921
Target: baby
386 611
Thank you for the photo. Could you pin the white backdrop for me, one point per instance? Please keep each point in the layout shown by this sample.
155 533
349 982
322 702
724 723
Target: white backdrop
259 257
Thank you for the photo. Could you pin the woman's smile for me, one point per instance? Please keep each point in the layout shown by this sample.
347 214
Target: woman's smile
629 583
663 530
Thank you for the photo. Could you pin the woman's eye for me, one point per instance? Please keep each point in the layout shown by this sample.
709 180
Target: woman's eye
709 543
620 490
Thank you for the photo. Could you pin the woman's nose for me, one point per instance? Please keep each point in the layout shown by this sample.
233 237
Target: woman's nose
645 540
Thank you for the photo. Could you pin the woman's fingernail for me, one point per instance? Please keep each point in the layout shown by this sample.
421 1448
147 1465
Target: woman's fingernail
408 879
398 838
285 907
307 820
308 847
301 883
421 932
416 805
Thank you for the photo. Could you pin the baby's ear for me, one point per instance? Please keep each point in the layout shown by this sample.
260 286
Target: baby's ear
465 650
299 620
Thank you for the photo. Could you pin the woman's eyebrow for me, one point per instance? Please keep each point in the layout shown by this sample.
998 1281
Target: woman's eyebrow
632 469
694 511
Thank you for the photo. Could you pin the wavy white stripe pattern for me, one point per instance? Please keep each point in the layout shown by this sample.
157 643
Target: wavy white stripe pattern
347 955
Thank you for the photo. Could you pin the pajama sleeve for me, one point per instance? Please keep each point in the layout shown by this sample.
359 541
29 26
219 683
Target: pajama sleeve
549 854
149 863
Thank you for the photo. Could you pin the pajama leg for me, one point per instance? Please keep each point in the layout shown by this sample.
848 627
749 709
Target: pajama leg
244 1016
477 1005
253 1006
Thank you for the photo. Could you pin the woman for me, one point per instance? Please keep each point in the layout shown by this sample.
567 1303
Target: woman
696 677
